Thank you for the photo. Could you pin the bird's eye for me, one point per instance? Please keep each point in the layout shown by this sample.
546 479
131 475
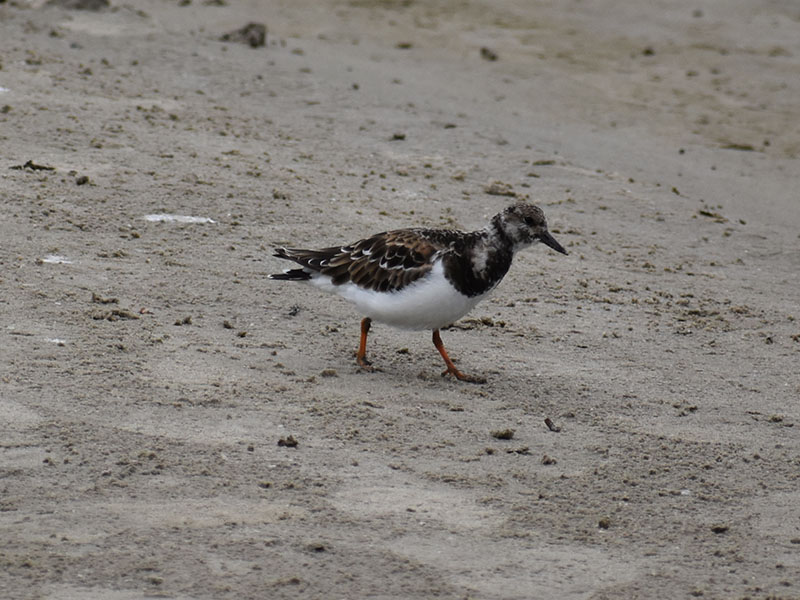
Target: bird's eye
528 221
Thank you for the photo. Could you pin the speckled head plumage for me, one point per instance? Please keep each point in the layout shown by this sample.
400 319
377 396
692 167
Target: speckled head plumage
524 224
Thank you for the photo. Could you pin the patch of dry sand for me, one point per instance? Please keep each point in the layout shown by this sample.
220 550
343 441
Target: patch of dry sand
148 368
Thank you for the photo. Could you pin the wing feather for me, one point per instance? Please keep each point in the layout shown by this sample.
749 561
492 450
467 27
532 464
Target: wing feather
386 261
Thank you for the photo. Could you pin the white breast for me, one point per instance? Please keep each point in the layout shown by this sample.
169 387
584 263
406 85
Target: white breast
428 303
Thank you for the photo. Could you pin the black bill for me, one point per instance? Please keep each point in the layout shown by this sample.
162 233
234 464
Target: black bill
549 240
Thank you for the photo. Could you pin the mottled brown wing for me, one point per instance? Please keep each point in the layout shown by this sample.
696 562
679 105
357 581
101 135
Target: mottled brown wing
384 262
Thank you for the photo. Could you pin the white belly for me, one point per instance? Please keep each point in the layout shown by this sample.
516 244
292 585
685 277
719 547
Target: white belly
429 303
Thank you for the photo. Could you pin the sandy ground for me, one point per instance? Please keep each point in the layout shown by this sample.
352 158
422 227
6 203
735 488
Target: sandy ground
149 369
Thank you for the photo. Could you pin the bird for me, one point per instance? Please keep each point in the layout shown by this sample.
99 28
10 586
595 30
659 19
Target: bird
420 278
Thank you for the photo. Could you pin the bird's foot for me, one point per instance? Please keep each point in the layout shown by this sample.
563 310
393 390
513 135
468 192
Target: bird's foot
365 364
463 376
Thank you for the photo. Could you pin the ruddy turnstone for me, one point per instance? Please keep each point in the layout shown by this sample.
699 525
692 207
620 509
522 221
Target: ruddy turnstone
421 278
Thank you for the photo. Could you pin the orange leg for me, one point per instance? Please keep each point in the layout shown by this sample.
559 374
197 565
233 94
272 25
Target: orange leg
451 368
361 355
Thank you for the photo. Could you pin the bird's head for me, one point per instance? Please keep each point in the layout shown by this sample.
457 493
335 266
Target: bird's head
524 224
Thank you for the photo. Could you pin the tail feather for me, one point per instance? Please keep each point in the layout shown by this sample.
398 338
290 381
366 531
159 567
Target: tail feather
292 275
303 274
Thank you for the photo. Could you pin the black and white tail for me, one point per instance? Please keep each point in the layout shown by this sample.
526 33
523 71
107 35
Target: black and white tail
292 275
289 274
